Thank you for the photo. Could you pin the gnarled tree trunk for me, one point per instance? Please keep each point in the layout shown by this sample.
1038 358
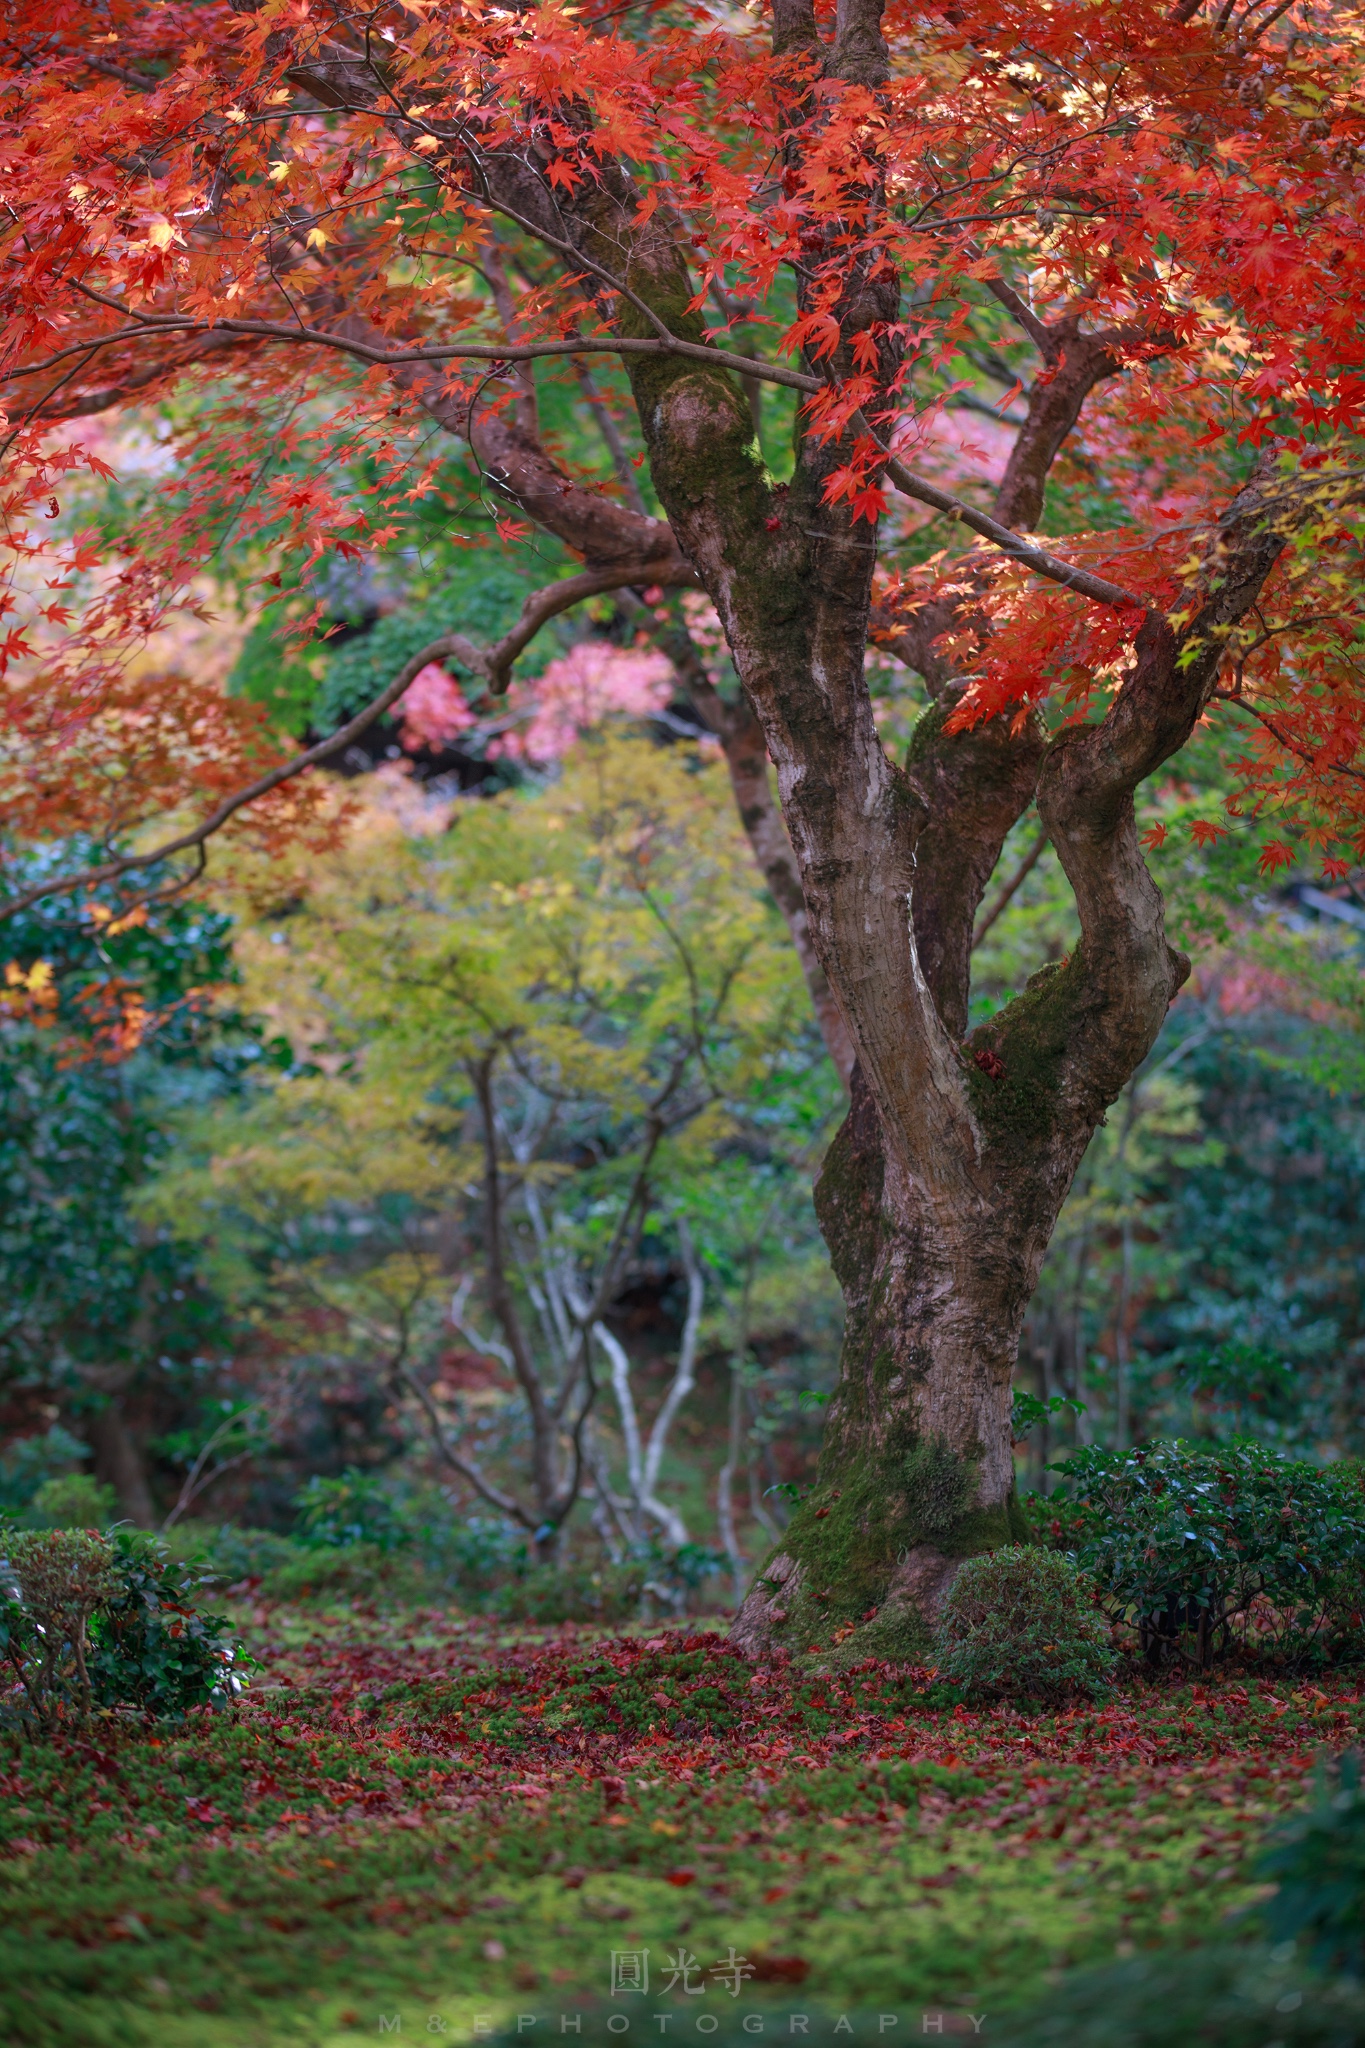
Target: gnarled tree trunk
941 1191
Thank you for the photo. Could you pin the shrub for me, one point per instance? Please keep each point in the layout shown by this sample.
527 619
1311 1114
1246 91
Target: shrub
1183 1540
549 1593
32 1460
152 1647
74 1500
356 1508
1318 1865
51 1582
353 1571
227 1556
470 1556
90 1621
1022 1621
1216 1997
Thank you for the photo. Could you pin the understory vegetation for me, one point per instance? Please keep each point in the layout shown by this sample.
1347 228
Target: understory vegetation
426 1350
433 1817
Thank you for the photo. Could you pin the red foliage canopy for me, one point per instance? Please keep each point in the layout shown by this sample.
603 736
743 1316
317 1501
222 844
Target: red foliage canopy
1165 200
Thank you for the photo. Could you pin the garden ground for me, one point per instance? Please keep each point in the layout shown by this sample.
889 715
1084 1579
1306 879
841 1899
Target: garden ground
423 1824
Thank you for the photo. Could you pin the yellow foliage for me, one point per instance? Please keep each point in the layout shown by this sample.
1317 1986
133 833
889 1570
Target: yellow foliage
607 946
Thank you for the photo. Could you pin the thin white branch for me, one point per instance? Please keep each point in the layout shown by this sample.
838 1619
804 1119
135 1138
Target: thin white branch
487 1347
625 1406
685 1377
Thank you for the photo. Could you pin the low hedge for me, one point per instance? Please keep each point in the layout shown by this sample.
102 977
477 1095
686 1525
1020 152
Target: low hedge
1195 1545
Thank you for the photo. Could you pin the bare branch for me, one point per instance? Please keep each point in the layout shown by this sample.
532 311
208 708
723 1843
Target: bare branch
1011 888
493 664
184 842
145 326
1010 543
1023 314
466 1468
685 1378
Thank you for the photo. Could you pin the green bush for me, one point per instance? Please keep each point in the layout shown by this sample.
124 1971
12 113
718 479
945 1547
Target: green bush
89 1620
151 1646
1317 1863
469 1556
229 1556
356 1508
549 1594
354 1571
1183 1539
73 1500
51 1583
1022 1622
33 1459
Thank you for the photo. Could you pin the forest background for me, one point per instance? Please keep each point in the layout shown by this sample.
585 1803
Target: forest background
451 1140
247 1264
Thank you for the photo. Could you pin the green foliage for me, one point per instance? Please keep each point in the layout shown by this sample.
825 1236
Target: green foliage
51 1583
1027 1411
84 1120
231 1554
1234 1997
482 599
320 685
1022 1623
354 1508
1317 1864
72 1500
31 1461
1182 1540
609 1594
1203 1279
1243 1381
325 1575
437 1555
88 1620
1262 1309
152 1647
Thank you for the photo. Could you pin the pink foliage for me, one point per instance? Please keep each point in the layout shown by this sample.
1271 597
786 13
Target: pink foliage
591 682
433 709
962 449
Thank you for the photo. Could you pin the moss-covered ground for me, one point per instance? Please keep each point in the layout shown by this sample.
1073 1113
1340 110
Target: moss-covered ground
417 1825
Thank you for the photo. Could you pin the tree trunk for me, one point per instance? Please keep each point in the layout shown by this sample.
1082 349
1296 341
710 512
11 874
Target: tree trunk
916 1468
118 1462
943 1187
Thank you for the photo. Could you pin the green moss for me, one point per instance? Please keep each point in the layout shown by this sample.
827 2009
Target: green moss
927 736
988 1529
938 1486
849 1538
899 1634
1028 1038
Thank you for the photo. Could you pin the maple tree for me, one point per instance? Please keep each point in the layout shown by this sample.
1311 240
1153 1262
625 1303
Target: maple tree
1139 226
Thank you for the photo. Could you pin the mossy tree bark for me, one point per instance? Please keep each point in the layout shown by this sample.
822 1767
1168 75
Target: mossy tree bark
943 1187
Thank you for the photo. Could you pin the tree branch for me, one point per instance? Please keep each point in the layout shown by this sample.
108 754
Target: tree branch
1040 560
1011 888
466 1468
1095 1017
492 663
